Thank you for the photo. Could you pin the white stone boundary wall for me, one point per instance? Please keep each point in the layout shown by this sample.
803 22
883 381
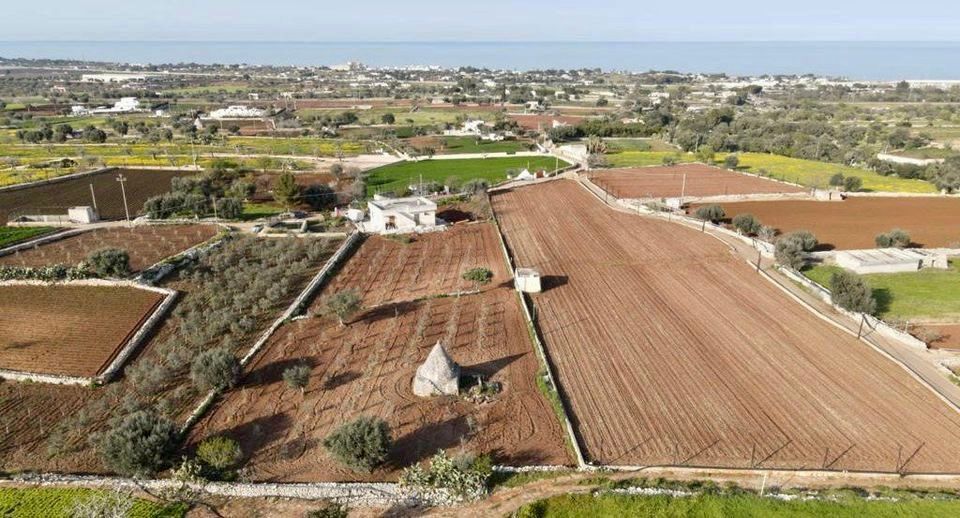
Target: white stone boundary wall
542 353
873 322
906 160
362 494
295 307
125 352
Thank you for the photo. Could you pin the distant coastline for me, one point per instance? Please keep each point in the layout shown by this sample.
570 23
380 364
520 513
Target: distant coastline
887 61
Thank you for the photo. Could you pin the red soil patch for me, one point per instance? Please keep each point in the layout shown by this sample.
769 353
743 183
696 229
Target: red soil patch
146 245
949 335
69 330
668 182
671 350
854 223
367 369
385 270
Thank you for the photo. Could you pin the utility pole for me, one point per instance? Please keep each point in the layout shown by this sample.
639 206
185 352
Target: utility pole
93 197
863 318
683 188
216 218
122 179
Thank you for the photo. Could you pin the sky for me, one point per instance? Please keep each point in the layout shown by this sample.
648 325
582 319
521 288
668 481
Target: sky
485 20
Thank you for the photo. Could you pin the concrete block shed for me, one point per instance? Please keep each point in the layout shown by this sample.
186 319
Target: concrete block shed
888 260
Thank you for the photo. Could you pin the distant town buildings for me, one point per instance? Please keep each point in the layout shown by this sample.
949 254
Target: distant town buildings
124 105
236 112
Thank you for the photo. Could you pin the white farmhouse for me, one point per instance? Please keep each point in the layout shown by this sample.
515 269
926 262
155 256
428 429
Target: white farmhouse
236 112
389 215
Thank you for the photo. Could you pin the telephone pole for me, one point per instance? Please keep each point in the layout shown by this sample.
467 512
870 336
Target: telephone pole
122 179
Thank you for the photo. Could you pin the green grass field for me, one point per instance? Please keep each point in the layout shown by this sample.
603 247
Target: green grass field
60 502
704 505
462 145
924 295
617 145
397 177
804 172
13 235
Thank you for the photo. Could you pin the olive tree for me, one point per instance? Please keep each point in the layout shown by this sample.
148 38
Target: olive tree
140 445
297 376
110 262
343 304
216 369
220 453
852 183
361 444
849 291
896 238
747 224
712 213
790 250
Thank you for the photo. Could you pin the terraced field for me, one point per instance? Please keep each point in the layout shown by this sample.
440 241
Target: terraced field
670 350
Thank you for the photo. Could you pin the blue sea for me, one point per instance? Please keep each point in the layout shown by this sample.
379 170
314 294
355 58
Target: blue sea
853 60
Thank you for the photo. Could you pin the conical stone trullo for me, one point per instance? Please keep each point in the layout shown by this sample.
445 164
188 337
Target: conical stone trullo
438 376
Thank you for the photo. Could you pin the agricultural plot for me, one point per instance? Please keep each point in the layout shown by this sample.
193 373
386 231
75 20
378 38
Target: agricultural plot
688 180
671 350
928 295
63 502
808 173
459 145
545 122
398 177
58 196
854 223
367 368
145 244
386 270
68 330
12 235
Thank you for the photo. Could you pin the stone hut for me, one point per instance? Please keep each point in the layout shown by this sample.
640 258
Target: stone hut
438 376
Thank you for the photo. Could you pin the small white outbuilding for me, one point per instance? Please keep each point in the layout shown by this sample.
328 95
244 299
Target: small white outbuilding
527 280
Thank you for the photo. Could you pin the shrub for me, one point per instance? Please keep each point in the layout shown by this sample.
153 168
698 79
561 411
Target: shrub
766 233
332 510
344 304
361 444
836 180
478 276
459 479
216 369
852 183
220 453
110 262
896 238
474 186
731 161
850 292
140 445
297 376
746 224
712 213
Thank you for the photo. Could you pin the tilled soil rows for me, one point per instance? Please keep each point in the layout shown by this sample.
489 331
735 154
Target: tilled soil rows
668 182
56 197
367 368
386 270
855 222
673 351
145 244
68 330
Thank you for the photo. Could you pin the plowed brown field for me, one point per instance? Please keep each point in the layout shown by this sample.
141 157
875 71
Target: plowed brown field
668 182
68 330
367 367
146 245
384 270
854 223
671 350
